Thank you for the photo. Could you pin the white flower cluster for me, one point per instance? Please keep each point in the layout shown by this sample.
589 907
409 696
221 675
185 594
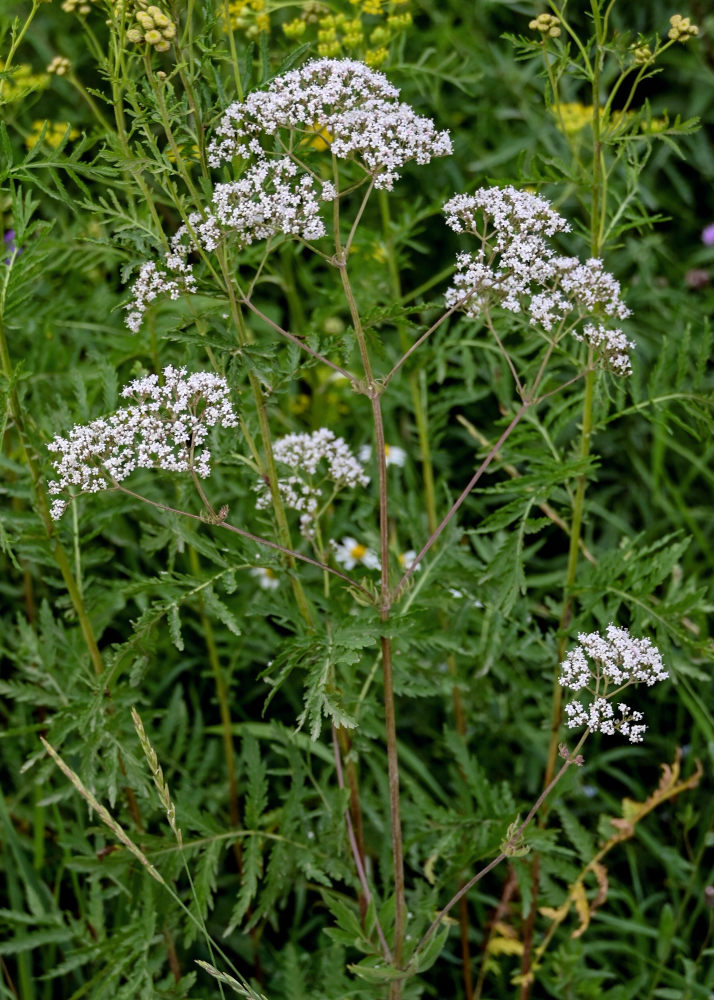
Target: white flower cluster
517 269
612 345
151 283
165 428
272 197
345 105
320 455
354 109
599 717
619 659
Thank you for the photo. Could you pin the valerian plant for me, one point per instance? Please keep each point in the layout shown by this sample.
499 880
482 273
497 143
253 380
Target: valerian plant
274 445
557 301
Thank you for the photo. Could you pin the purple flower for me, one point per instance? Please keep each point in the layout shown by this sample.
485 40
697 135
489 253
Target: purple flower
708 235
9 241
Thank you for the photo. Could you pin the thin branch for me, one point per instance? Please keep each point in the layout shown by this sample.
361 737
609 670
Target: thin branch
355 850
300 343
247 534
462 496
571 758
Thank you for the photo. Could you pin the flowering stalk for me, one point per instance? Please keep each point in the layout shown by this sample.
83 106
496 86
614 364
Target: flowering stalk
286 545
417 389
512 844
374 391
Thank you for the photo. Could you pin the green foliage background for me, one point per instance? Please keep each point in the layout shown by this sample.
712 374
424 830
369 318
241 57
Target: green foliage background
178 618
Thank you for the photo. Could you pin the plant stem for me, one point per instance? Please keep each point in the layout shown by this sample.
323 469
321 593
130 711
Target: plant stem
374 392
356 851
246 534
598 212
417 387
259 398
43 509
515 420
224 708
572 758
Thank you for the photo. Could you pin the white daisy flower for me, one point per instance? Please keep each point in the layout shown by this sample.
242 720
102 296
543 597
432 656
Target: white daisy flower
393 454
350 552
266 577
405 559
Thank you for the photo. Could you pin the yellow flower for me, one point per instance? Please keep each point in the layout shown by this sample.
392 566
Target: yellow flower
375 57
54 133
318 137
20 82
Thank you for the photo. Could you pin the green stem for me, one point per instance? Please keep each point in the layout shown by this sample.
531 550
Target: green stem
374 392
270 470
224 708
15 44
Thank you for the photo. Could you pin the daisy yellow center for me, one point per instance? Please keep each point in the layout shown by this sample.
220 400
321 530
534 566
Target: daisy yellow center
387 450
358 551
270 575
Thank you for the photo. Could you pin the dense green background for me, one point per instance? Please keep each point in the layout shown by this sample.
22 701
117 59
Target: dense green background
80 919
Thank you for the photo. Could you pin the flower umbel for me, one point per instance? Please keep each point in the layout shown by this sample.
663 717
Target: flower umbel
314 461
517 269
353 104
165 428
616 660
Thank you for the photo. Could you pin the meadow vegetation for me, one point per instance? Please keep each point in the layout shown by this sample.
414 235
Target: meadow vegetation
357 461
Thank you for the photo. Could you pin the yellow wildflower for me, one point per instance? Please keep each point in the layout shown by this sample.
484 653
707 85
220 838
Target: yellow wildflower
55 133
375 57
20 82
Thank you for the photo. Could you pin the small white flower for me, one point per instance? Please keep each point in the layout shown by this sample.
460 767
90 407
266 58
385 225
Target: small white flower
350 552
266 578
405 559
393 454
311 460
356 105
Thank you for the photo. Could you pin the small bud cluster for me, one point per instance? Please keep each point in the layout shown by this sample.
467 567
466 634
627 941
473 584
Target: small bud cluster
313 460
547 24
599 661
354 103
682 28
517 269
59 66
151 26
165 428
247 16
642 55
82 7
